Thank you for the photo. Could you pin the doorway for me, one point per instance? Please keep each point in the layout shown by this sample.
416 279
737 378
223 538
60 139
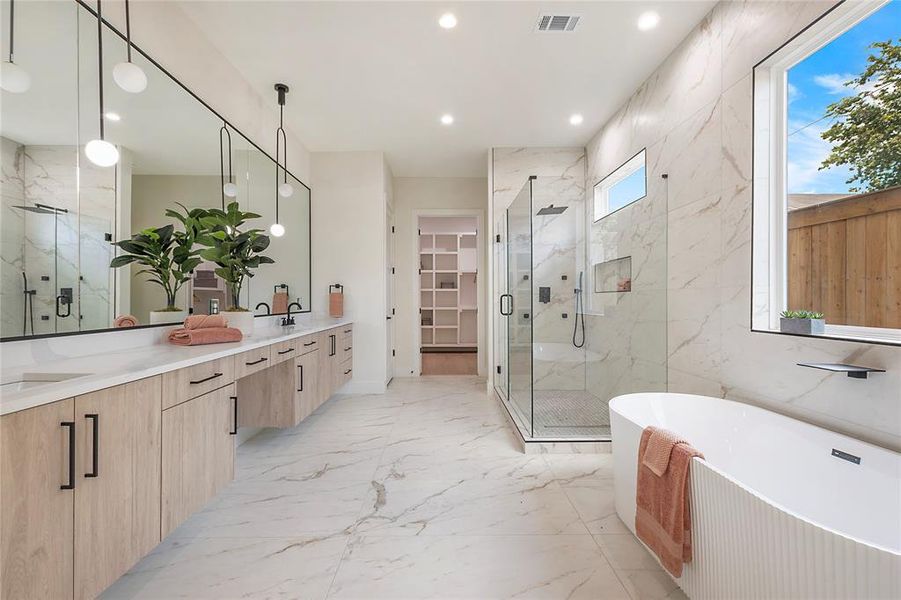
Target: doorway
449 294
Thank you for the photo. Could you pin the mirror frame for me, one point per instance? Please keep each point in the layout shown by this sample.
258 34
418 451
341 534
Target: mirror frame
135 48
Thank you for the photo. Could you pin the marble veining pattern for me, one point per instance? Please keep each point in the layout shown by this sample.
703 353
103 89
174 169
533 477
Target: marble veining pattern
417 493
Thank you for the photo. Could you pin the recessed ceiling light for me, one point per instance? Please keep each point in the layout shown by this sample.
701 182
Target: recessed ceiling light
447 119
576 119
111 116
448 21
648 20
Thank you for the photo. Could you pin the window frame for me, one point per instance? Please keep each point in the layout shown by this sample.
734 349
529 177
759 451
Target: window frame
594 218
769 260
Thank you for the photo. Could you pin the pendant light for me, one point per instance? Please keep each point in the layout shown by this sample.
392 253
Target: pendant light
99 151
285 189
13 78
127 75
228 185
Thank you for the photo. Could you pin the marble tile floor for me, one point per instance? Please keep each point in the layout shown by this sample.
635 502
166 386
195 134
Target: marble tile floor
417 493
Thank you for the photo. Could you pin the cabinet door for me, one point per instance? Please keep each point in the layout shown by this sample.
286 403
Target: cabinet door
117 496
198 454
35 513
328 345
306 378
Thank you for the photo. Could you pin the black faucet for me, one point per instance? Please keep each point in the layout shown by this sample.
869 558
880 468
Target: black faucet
289 320
268 310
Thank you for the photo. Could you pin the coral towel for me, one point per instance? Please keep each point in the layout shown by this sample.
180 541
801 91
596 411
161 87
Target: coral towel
663 514
279 303
206 335
205 321
125 321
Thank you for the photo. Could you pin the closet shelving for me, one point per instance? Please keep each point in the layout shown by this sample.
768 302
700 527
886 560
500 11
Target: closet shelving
448 274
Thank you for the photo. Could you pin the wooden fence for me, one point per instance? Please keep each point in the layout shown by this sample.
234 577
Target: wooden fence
844 259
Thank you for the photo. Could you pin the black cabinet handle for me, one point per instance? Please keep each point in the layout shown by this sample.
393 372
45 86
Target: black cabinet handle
256 362
71 426
348 330
280 352
348 371
348 349
332 349
205 379
95 449
234 431
308 344
301 378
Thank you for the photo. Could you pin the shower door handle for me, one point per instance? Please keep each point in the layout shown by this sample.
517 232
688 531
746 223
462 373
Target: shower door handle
510 310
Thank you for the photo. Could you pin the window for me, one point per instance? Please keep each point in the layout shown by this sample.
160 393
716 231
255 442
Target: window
624 186
827 175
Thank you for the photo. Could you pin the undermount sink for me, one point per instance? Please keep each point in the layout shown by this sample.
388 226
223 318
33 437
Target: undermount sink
31 380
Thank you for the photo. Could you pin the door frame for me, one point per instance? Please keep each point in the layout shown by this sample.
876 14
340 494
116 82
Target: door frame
481 287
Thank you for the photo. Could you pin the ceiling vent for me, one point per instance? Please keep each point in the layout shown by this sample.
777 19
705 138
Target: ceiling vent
557 23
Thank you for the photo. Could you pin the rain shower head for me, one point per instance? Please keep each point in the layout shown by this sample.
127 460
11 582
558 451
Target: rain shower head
37 209
43 209
552 210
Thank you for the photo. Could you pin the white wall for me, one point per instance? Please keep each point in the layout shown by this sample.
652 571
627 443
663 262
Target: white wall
694 116
350 193
431 194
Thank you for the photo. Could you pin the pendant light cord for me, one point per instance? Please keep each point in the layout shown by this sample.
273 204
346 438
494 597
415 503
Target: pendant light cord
128 30
100 62
228 137
12 13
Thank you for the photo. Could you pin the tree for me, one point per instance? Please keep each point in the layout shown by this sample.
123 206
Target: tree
866 134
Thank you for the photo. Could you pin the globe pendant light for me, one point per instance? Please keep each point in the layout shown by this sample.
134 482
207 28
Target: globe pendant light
99 151
284 189
228 185
127 75
13 78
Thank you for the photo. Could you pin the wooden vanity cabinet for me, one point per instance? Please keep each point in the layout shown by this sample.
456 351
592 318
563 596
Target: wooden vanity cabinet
306 379
37 452
198 453
117 491
80 493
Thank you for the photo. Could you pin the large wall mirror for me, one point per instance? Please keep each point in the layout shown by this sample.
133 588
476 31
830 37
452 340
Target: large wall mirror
61 213
827 179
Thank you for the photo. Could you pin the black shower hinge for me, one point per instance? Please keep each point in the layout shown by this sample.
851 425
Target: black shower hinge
393 352
497 238
498 369
392 311
392 270
392 229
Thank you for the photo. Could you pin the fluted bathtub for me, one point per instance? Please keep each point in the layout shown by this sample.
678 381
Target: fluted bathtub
780 508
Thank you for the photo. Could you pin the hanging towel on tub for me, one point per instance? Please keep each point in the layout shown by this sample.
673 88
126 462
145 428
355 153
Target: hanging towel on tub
663 514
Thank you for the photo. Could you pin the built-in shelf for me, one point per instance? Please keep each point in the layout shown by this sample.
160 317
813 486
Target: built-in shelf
852 370
448 315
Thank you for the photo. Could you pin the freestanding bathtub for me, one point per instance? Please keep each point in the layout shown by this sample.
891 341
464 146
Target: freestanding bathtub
780 508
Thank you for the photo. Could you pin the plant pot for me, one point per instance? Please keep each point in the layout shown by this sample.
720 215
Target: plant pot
167 316
239 319
802 326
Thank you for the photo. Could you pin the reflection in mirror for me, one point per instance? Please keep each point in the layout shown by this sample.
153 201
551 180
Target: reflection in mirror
61 213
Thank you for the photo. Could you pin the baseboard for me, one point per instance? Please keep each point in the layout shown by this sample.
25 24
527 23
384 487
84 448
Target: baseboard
355 386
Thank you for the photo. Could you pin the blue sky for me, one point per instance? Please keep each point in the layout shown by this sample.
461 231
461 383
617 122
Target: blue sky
815 83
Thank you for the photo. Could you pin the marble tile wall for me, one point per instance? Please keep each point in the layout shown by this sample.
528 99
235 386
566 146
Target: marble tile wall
66 250
557 247
693 114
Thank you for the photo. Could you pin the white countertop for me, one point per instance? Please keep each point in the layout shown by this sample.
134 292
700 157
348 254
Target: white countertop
122 361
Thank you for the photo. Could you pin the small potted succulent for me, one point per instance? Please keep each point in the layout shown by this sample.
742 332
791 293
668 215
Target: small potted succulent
805 322
167 256
236 254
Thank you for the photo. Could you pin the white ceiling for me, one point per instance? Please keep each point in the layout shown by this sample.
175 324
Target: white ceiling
378 75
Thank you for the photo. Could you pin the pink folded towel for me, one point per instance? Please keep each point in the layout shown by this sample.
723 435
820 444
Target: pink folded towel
206 335
663 507
125 321
279 303
205 321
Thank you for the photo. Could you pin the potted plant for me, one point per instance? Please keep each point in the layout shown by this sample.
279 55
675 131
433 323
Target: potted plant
802 321
236 253
167 257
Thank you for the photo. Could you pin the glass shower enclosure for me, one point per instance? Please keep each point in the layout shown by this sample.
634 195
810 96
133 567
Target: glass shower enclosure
566 345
